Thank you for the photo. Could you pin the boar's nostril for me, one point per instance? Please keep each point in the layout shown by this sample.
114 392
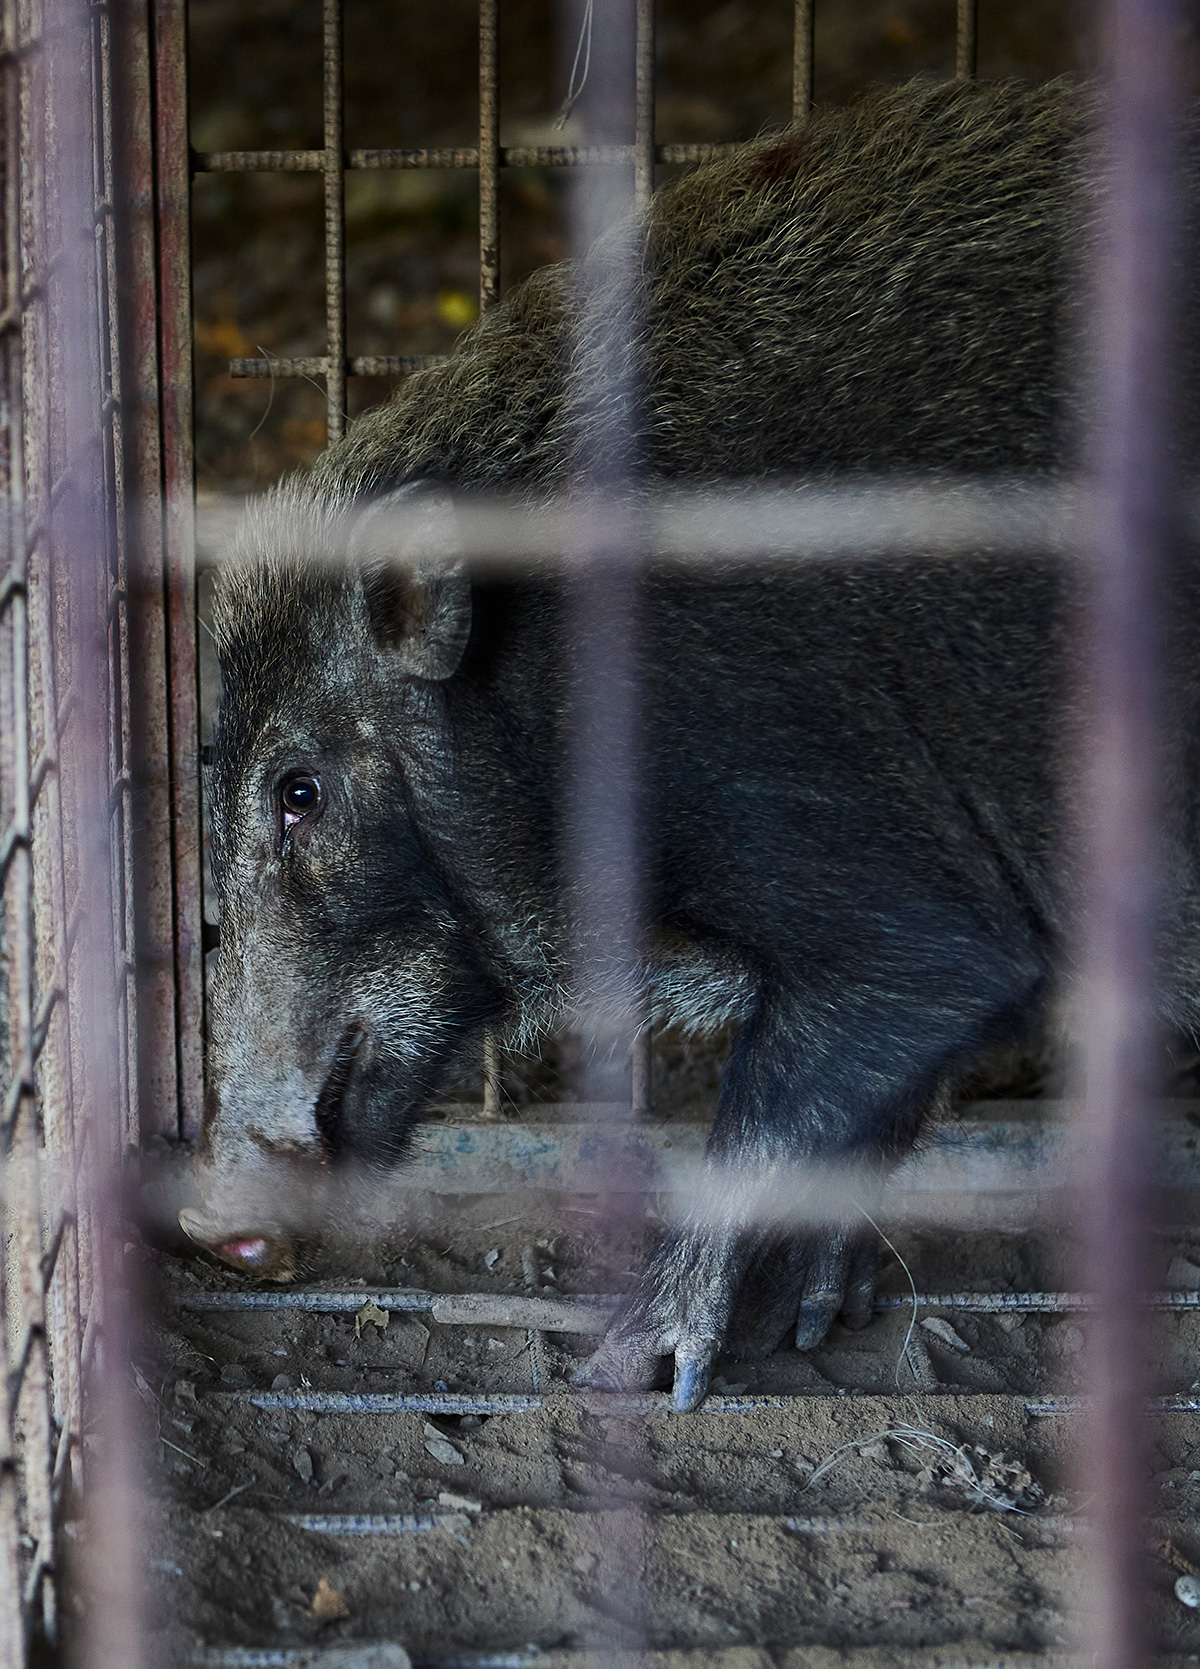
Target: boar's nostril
328 1111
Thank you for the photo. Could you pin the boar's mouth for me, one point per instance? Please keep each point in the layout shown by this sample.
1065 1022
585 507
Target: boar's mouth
331 1101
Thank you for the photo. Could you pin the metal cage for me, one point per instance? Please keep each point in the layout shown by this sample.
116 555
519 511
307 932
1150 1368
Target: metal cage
100 810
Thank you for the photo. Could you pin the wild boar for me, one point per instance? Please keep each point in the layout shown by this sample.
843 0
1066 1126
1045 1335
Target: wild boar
856 776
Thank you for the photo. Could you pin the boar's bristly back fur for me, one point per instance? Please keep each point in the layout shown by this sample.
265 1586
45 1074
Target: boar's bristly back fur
824 299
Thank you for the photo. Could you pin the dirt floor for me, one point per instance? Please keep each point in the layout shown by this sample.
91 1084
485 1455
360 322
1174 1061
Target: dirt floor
888 1499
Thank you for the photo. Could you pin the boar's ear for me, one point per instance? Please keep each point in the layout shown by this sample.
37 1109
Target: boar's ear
414 579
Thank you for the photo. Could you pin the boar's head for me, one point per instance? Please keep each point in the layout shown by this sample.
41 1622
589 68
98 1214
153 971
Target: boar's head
350 979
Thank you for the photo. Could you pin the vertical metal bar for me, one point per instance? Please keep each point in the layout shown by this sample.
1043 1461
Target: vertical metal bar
1130 531
643 120
41 210
802 61
966 41
148 764
642 1058
489 155
603 845
12 1633
335 225
491 1075
489 295
175 339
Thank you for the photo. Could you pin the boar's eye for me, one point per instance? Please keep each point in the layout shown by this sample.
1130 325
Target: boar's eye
298 797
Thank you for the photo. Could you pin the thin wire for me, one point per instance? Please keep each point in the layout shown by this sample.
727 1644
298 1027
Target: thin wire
271 396
912 1285
582 47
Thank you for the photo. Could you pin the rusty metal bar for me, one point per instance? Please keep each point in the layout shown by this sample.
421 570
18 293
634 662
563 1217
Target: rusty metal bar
465 156
491 1075
169 21
12 1642
333 167
966 41
643 115
362 365
30 1416
485 1309
489 155
1130 533
141 744
802 61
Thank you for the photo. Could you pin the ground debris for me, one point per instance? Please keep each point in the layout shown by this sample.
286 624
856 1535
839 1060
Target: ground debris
986 1479
328 1606
369 1316
440 1447
944 1333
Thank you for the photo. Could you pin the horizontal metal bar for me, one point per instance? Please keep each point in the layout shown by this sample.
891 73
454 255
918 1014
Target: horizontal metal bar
783 524
468 1309
1078 1405
317 365
606 1402
320 1303
384 1402
570 1313
376 1524
995 1148
447 157
360 1654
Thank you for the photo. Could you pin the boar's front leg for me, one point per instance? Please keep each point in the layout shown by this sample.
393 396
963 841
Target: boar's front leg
797 1098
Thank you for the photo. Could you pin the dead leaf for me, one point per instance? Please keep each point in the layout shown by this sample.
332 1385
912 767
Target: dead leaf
327 1604
369 1316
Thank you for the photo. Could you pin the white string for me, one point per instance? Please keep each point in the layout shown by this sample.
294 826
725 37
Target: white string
583 48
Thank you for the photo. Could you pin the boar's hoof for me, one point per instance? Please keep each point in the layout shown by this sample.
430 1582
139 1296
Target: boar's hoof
680 1308
696 1291
269 1255
799 1287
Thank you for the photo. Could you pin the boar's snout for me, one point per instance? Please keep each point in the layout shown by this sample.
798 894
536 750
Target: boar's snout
272 1256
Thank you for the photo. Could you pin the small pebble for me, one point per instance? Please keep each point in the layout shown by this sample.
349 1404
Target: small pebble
302 1462
1187 1592
492 1258
441 1448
